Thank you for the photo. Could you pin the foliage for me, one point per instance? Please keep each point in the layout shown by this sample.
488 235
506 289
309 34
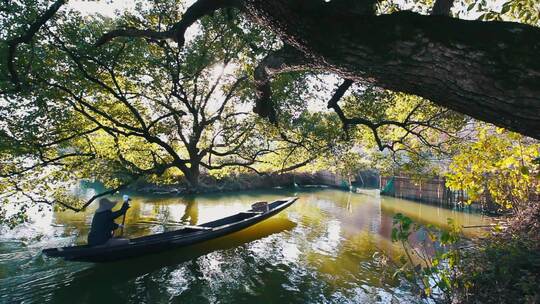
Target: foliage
502 271
523 11
418 143
497 166
314 137
502 268
347 163
135 109
505 267
431 263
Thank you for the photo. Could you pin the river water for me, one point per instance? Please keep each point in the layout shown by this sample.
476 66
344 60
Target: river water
323 249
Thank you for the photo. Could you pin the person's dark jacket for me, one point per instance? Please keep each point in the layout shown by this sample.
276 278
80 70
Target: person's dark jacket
103 225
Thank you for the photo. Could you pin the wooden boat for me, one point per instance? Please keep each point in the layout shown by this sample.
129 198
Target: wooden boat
188 235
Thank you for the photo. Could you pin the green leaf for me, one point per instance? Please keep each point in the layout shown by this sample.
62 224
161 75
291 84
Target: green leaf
394 234
524 170
506 8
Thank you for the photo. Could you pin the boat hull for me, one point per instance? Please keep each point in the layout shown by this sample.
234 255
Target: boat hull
169 240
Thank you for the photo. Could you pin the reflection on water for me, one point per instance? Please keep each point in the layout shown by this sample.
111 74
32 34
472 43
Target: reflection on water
320 250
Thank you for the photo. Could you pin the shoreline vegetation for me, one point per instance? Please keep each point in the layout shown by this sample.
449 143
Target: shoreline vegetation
501 267
243 182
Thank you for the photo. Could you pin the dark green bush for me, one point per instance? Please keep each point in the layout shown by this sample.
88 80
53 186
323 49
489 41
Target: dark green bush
501 271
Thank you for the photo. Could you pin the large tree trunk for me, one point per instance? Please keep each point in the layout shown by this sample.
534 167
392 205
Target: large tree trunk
193 177
487 70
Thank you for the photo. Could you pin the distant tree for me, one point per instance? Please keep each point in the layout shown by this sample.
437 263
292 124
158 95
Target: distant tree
133 110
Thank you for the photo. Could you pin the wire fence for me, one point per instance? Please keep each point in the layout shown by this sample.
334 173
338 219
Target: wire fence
432 190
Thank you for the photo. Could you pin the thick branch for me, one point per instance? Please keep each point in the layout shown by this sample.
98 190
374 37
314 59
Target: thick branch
286 59
196 11
487 70
408 125
134 33
26 37
217 115
442 7
341 90
298 165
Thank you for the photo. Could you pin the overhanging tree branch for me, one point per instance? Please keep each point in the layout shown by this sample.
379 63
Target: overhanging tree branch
27 37
196 11
487 70
442 7
408 125
286 59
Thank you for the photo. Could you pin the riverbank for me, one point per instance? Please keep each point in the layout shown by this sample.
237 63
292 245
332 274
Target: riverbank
505 267
242 182
501 266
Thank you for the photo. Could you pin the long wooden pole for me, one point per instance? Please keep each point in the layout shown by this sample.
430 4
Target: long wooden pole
123 222
126 200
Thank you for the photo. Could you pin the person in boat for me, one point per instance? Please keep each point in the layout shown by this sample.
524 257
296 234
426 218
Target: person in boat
103 225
